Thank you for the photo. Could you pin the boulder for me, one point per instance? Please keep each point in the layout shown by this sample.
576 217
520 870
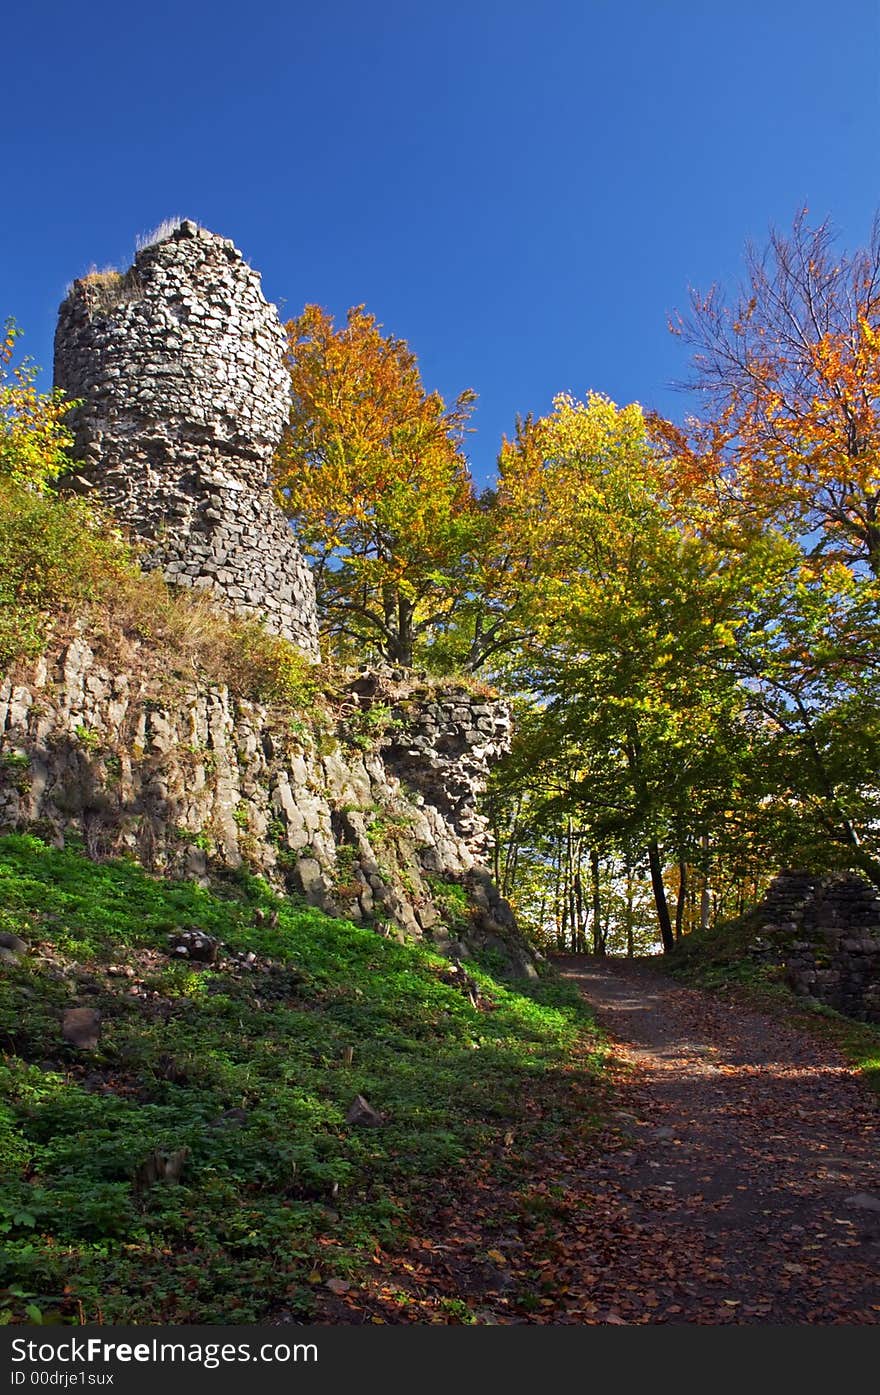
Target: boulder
14 945
81 1027
362 1113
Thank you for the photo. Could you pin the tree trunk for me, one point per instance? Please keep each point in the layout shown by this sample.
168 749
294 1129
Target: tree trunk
511 860
681 899
570 891
578 889
630 945
660 901
704 890
405 632
598 937
557 900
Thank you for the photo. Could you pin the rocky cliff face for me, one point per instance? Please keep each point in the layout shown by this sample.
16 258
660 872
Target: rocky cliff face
440 742
179 367
372 816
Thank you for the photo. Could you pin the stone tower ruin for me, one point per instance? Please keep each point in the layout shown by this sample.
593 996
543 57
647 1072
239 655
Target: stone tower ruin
178 364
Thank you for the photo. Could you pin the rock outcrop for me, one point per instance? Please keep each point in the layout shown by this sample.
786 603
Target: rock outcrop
440 742
353 813
178 365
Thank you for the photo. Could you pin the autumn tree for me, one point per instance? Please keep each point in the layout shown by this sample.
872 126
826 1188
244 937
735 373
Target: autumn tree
372 472
489 622
631 619
783 458
34 438
568 854
55 553
809 666
787 378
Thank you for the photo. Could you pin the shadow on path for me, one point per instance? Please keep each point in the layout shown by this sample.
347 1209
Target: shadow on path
753 1147
737 1180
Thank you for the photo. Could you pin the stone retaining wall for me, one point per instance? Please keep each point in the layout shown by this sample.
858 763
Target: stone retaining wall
826 931
194 782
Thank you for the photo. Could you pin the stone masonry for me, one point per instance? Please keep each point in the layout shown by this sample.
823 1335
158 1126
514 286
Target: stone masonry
178 368
192 781
441 743
826 932
178 365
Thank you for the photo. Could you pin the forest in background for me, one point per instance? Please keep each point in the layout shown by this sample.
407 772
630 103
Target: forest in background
683 615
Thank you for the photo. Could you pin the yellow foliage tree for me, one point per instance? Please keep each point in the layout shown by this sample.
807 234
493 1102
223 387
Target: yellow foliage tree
34 439
630 616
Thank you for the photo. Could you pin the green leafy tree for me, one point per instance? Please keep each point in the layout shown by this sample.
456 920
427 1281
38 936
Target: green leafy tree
810 672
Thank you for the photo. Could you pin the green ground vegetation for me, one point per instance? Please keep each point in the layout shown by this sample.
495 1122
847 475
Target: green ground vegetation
64 564
243 1076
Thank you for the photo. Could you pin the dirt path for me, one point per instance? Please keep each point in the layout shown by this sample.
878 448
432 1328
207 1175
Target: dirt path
751 1147
738 1182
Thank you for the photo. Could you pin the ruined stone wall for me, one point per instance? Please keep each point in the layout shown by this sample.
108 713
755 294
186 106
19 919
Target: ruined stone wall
178 363
441 743
826 932
192 781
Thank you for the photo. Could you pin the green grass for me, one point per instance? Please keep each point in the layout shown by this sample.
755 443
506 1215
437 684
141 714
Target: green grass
718 960
271 1204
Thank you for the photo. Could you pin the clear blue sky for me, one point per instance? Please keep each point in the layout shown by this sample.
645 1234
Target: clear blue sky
522 190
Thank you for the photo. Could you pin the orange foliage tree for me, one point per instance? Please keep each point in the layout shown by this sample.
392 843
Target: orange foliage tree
789 373
373 474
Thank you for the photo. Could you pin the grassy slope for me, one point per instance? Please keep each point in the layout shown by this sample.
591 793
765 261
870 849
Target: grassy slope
272 1205
719 961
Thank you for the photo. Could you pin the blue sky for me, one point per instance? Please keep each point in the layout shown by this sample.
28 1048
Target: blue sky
522 190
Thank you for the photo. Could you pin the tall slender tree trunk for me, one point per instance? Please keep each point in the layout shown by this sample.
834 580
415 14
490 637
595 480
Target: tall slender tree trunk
507 876
630 945
598 937
705 900
578 884
681 899
663 918
570 892
580 919
557 899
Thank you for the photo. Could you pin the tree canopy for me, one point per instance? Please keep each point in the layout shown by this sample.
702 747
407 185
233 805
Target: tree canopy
34 438
686 614
373 474
788 375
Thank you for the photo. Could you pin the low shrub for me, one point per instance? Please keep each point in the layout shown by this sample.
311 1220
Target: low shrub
62 559
55 555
